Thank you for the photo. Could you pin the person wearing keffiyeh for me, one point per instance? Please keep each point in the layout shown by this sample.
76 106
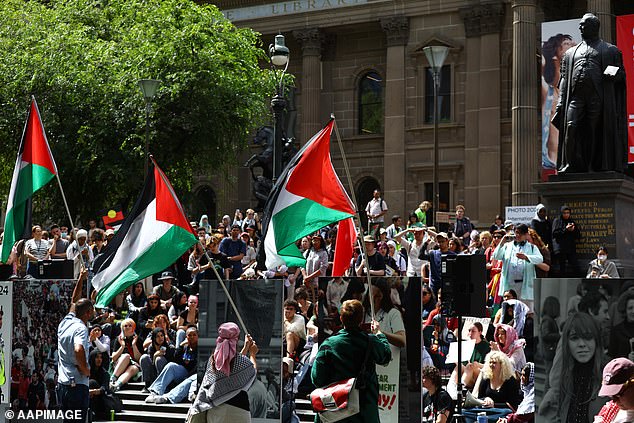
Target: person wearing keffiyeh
223 394
507 341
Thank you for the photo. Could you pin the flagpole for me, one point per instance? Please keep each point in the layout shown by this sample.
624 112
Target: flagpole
354 200
224 287
70 218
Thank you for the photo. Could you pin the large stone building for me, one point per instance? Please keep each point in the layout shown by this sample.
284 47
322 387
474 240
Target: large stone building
363 61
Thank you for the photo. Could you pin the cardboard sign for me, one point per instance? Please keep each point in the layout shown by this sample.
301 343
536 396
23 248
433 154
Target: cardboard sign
388 377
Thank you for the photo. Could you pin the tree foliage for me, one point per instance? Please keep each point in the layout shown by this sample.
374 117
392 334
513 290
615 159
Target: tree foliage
82 60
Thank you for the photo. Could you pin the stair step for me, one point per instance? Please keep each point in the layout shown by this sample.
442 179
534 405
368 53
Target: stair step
155 417
182 407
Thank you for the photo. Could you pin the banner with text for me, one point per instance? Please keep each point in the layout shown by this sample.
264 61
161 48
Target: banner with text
625 43
388 377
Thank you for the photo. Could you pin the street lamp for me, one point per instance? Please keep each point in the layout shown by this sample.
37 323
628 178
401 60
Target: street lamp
436 56
279 55
148 88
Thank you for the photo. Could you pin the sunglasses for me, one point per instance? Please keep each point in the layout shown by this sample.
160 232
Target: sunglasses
497 236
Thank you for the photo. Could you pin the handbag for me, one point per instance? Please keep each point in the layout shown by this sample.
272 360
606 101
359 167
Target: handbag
340 400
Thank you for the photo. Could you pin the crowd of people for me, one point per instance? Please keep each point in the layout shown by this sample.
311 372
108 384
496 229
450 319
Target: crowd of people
149 332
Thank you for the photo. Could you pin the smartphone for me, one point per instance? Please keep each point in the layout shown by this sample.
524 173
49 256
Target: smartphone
367 327
632 344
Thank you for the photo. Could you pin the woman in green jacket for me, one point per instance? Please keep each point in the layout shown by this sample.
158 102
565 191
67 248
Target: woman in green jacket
339 358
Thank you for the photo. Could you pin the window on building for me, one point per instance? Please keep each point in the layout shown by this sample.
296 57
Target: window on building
444 95
443 200
371 104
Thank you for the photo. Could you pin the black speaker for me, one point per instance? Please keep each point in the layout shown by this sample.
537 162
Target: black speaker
55 269
464 285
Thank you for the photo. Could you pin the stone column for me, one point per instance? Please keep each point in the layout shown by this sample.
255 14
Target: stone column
525 110
601 8
310 39
394 164
482 163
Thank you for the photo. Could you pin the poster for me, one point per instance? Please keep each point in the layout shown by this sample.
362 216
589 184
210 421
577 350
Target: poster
388 377
6 323
625 43
557 37
520 214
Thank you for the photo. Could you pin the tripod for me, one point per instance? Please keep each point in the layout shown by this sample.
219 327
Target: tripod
458 417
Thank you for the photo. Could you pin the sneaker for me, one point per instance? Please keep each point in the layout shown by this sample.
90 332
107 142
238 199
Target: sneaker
116 387
151 398
161 399
145 390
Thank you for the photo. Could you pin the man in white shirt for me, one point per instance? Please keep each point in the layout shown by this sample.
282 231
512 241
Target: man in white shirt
376 210
294 329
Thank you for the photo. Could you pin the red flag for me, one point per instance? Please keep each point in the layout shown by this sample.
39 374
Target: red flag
346 238
625 43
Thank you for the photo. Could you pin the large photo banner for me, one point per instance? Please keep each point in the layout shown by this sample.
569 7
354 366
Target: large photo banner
557 37
625 43
6 324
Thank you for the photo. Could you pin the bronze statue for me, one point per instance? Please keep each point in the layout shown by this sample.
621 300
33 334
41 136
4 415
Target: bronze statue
591 114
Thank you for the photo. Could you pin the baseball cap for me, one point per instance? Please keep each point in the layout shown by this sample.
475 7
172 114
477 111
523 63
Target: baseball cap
442 235
615 374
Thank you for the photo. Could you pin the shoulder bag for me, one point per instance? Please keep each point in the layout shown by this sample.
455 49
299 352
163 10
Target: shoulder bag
340 400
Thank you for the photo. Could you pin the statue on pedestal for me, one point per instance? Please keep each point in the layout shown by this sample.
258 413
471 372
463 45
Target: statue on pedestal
591 113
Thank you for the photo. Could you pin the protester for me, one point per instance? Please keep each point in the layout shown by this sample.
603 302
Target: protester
576 376
437 404
618 380
525 412
136 300
235 250
601 267
156 357
339 357
507 341
388 316
74 372
99 385
519 259
565 235
541 224
188 317
181 371
498 388
126 356
36 249
294 329
223 394
462 227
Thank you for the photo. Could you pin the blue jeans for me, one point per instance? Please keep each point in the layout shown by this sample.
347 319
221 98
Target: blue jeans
181 391
172 372
180 337
151 369
77 398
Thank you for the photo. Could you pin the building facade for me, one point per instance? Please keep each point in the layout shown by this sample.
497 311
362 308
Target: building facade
363 61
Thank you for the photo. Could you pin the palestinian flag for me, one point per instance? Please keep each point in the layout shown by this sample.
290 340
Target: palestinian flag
307 196
152 237
34 168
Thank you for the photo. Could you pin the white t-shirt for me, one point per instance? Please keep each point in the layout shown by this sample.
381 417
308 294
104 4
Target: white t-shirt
375 207
296 326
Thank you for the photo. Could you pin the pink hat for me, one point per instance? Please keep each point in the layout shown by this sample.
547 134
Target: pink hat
615 374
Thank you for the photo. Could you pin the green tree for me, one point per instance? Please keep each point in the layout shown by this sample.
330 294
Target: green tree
82 60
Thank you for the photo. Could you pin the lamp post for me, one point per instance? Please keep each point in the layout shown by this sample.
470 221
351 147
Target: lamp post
436 56
148 88
279 55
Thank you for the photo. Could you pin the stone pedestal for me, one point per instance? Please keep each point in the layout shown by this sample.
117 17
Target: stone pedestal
603 206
